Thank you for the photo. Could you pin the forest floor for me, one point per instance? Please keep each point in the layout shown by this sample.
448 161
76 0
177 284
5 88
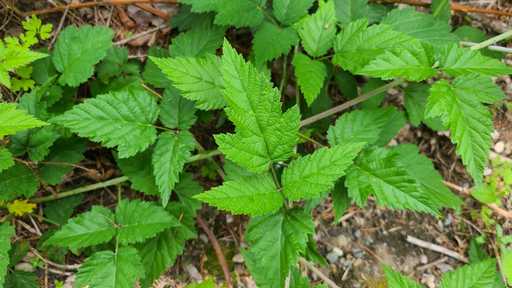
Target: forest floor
365 238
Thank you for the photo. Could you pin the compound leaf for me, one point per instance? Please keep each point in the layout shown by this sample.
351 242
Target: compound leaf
318 30
310 76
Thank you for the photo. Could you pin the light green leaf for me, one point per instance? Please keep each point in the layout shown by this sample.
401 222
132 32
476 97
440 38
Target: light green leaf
6 160
271 41
340 200
481 274
198 79
351 10
254 195
506 263
171 153
275 243
13 120
310 176
177 112
199 6
77 50
457 61
17 181
263 133
290 11
15 57
421 26
356 45
442 10
413 63
201 40
240 13
107 269
397 280
318 30
63 155
123 119
139 220
87 229
6 233
139 170
310 76
461 108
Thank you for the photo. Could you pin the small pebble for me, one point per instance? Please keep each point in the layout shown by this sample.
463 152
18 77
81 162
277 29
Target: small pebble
444 267
499 147
238 258
487 171
24 266
423 259
495 135
334 255
429 280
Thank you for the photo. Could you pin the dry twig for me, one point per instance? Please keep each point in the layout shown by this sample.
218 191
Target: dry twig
318 273
436 248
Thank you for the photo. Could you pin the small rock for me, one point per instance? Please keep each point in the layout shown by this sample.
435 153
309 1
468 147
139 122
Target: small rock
444 267
487 171
238 258
334 255
24 266
499 147
429 280
358 263
357 233
203 238
423 259
193 272
495 135
342 241
229 219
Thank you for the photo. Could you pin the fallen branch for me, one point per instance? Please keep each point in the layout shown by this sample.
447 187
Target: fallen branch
318 273
141 34
436 248
456 7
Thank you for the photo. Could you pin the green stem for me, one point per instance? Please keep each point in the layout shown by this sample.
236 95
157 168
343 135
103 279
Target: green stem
492 40
284 74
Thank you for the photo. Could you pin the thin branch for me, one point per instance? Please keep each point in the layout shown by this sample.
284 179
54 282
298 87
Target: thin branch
492 40
318 273
490 47
456 7
142 34
436 248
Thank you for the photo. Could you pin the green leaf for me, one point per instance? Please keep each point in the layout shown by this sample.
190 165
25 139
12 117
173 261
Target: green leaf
506 263
159 253
15 57
240 13
413 63
397 280
123 119
310 176
275 243
415 98
271 41
59 211
201 40
351 10
139 170
198 79
138 220
357 44
63 155
36 143
87 229
378 173
77 50
17 181
206 283
186 189
199 6
290 11
6 160
442 10
107 269
310 76
177 112
457 61
254 195
263 133
6 233
481 274
152 73
318 30
171 153
22 279
421 26
13 120
460 105
340 200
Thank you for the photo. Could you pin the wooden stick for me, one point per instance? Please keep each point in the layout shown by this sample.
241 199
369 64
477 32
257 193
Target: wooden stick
436 248
141 34
318 273
92 4
155 11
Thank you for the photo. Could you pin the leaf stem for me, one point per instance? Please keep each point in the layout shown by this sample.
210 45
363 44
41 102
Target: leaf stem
283 75
492 40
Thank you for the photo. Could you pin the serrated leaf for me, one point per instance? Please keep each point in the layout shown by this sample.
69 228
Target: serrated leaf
59 211
12 58
397 280
442 10
357 44
63 155
421 26
461 108
21 279
415 98
318 30
310 76
481 274
152 74
290 11
177 112
6 160
263 133
123 119
310 176
77 50
199 6
138 220
271 41
255 195
107 269
87 229
340 200
186 189
201 40
6 233
35 142
17 181
139 170
198 79
275 243
378 173
351 10
116 64
413 63
457 61
169 157
160 253
13 120
240 13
